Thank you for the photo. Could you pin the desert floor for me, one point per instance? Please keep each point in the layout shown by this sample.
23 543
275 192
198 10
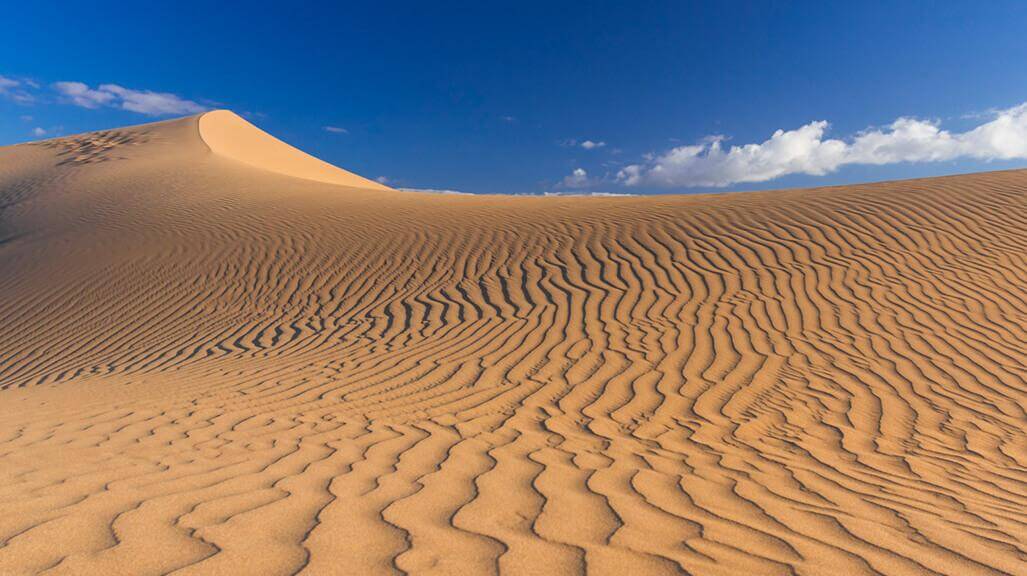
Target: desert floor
220 356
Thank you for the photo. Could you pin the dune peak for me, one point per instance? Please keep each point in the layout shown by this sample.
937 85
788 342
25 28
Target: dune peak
229 135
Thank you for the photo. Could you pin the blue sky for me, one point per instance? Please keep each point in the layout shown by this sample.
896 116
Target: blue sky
534 97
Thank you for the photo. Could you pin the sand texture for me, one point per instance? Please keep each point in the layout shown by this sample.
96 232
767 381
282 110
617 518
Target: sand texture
219 355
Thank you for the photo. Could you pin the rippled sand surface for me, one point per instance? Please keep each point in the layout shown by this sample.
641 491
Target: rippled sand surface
220 357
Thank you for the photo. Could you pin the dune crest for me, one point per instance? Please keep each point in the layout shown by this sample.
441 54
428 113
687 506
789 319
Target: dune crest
208 368
230 136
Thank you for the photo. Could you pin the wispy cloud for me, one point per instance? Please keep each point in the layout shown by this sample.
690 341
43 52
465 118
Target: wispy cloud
80 94
16 90
804 150
335 129
152 103
115 96
38 132
586 144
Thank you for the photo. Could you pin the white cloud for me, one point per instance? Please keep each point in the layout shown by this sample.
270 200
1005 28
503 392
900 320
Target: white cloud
550 193
141 101
81 95
586 144
434 191
381 180
152 103
804 150
37 131
578 178
594 194
335 130
15 90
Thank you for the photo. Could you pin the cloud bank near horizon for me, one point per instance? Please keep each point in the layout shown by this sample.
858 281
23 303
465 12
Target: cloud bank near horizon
804 150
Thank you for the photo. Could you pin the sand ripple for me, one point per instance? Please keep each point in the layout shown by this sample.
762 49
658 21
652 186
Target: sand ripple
207 368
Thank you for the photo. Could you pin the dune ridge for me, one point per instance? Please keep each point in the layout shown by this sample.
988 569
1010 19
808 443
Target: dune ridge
209 367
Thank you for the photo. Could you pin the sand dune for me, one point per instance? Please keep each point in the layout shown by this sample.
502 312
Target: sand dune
222 356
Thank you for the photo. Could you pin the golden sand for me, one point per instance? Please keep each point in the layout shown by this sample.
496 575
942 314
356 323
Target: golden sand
219 355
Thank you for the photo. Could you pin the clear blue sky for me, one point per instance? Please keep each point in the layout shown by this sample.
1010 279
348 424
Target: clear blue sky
490 97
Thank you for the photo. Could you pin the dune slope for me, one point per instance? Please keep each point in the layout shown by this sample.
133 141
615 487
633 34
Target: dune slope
222 357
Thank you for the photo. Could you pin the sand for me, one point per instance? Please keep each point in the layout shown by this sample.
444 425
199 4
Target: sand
219 355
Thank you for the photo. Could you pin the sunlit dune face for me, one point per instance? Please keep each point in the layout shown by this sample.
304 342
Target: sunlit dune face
230 136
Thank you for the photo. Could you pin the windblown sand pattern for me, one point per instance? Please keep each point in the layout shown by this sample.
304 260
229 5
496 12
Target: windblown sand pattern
209 368
95 146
